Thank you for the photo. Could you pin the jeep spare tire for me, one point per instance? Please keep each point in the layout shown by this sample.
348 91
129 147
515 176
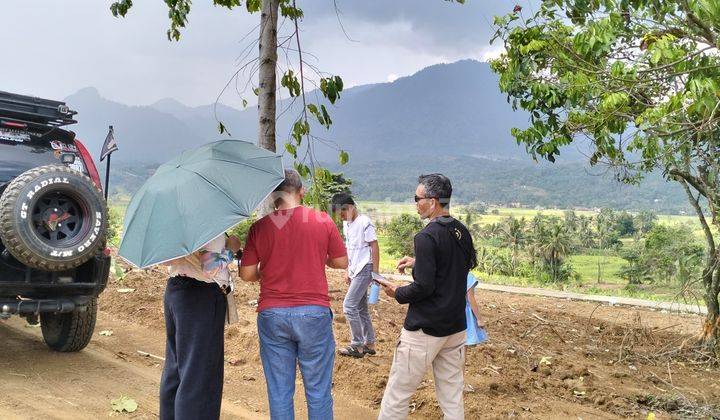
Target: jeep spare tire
52 218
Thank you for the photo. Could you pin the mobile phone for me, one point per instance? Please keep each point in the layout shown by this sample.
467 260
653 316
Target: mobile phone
377 278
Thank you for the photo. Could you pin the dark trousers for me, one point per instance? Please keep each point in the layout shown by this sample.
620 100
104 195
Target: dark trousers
192 381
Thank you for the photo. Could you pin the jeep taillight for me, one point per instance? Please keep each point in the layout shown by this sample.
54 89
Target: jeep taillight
89 164
13 124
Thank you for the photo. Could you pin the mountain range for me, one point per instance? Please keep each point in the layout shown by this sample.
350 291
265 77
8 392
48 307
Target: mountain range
448 118
448 109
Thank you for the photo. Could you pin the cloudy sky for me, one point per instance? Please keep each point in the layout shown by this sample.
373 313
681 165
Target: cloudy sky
53 48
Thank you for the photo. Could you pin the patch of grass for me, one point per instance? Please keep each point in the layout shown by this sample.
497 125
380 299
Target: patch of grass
387 261
662 293
598 268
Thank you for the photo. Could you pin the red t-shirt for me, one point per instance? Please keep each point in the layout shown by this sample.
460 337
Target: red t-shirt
292 247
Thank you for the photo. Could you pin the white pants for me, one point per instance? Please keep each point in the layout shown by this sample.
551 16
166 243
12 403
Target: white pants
415 353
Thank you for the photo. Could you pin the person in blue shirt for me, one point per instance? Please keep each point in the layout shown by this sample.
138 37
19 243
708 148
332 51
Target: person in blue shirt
475 328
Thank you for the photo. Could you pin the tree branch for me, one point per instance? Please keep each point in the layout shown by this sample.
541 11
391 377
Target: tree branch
706 32
302 93
690 180
695 202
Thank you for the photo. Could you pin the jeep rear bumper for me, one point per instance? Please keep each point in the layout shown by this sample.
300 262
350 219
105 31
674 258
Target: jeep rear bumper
38 306
53 292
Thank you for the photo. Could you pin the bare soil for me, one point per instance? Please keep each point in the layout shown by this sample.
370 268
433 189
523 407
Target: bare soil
545 358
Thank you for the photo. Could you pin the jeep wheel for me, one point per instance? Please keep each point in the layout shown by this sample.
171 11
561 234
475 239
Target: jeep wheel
52 218
69 332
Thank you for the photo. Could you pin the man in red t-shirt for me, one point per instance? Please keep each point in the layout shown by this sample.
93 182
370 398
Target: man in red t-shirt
287 252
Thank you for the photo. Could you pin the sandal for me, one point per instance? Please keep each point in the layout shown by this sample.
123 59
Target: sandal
352 351
368 350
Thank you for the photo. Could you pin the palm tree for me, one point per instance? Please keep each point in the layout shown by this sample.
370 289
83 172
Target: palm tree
537 223
485 257
571 220
502 263
554 245
491 231
513 233
586 236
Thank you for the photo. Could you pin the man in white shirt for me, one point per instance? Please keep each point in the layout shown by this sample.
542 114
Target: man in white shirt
364 259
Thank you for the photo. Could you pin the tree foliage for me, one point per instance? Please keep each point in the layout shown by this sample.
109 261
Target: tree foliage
667 254
114 226
640 79
401 232
325 185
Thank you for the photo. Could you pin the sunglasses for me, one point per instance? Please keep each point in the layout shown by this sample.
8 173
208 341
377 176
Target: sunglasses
417 199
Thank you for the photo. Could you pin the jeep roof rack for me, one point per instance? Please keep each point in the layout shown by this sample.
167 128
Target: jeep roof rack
34 110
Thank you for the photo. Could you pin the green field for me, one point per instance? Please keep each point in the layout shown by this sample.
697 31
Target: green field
599 274
387 261
385 210
599 269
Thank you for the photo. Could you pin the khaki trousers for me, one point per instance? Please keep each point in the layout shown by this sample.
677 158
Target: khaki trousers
415 353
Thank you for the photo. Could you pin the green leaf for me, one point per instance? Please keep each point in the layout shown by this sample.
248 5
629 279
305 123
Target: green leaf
290 81
289 11
326 116
120 8
124 404
330 87
302 169
338 83
331 92
300 129
222 129
533 46
323 86
614 101
344 157
227 3
253 6
292 149
256 91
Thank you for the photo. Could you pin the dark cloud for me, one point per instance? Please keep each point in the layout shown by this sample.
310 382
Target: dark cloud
55 48
438 24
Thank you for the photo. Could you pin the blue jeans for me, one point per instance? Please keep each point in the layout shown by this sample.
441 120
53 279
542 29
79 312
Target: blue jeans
298 335
355 307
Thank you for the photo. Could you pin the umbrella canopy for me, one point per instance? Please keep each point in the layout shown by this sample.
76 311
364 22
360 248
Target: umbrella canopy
196 197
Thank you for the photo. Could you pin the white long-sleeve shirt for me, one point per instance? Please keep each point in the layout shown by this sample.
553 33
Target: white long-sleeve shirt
209 264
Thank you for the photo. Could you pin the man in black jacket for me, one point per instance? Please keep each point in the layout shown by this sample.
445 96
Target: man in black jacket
434 329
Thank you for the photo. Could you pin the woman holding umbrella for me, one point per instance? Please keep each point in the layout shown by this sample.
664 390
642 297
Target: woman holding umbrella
179 218
195 306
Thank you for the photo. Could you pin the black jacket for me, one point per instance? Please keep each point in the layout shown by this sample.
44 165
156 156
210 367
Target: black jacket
442 262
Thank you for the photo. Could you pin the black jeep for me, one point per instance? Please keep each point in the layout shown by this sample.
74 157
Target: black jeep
53 222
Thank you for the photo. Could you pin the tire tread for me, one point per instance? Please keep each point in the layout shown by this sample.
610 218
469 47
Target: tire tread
10 236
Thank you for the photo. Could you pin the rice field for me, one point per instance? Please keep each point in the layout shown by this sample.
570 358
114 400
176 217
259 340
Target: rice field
599 274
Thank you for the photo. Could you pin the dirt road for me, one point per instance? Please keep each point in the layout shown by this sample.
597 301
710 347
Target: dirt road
546 358
40 384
